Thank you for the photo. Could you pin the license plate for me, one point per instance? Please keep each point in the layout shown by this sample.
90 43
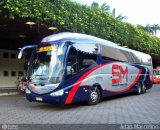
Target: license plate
39 99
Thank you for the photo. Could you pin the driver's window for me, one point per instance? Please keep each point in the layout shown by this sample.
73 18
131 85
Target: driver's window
72 63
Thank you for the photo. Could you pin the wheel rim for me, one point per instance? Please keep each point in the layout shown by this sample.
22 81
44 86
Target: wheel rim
94 96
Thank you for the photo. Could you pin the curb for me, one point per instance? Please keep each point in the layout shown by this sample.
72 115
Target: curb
11 93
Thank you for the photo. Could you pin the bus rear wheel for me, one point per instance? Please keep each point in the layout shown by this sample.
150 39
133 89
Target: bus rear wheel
94 96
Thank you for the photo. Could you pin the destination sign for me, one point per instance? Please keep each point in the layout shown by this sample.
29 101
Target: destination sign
46 48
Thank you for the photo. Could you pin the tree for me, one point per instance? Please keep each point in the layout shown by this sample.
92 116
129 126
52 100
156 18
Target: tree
152 29
155 28
105 7
149 29
95 5
120 16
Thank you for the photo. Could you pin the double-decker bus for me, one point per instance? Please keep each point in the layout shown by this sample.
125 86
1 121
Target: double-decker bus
79 67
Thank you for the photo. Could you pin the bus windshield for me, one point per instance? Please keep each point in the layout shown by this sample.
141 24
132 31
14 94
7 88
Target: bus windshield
46 64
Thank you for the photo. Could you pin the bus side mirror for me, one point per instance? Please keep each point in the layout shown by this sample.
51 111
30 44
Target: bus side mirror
20 54
24 48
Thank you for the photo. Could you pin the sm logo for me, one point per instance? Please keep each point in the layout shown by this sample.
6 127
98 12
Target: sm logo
119 74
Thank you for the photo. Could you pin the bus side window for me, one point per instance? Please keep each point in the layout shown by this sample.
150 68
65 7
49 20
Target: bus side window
80 57
87 62
111 53
87 55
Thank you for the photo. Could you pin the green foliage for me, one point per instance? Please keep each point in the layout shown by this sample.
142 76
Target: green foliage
71 16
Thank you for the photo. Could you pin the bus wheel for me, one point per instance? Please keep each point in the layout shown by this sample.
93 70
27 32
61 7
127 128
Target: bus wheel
94 96
143 88
139 89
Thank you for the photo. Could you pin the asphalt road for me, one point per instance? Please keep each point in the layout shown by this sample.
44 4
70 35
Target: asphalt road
126 109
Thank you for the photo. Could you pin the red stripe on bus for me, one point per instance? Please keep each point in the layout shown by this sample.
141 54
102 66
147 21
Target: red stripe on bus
130 86
78 83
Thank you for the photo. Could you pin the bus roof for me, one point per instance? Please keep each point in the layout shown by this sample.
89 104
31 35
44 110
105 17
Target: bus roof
75 36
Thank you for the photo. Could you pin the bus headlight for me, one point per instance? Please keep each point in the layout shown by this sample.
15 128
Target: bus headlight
57 93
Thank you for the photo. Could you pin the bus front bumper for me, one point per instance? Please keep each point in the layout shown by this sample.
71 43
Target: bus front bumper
45 98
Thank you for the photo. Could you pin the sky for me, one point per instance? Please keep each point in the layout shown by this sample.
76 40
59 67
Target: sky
138 11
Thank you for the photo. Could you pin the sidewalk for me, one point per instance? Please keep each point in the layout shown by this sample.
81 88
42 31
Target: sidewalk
8 91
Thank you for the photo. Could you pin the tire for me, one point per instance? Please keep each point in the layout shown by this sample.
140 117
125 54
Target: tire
139 89
144 88
94 96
